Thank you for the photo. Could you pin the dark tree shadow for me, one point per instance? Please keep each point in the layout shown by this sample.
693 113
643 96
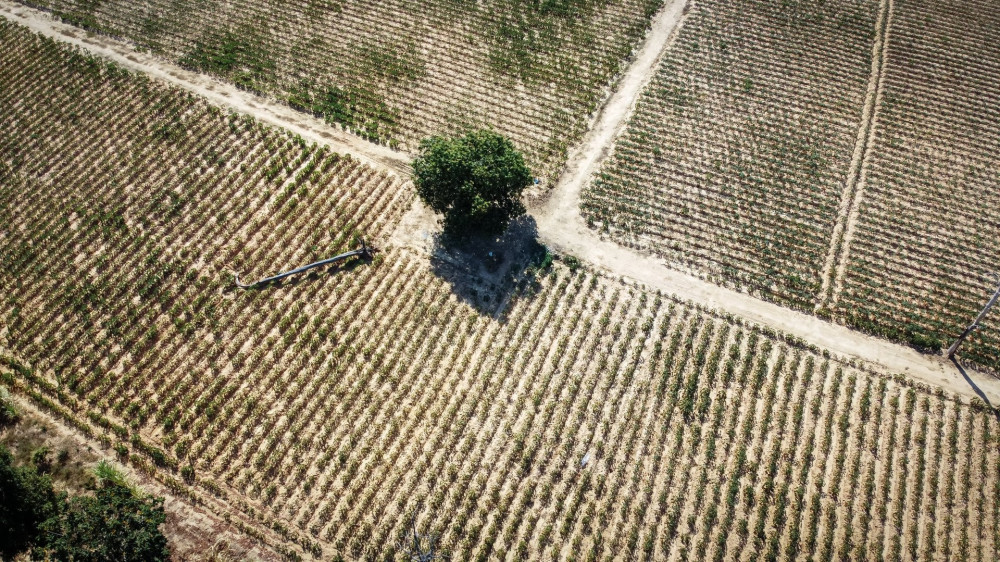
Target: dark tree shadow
485 271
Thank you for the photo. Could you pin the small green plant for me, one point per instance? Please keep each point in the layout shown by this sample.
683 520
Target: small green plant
545 262
572 262
41 459
238 55
109 472
9 412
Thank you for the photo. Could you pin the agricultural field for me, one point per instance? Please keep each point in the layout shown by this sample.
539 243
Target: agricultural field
563 414
397 71
734 160
838 157
920 260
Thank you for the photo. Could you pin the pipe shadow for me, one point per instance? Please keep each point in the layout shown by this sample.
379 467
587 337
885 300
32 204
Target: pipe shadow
979 392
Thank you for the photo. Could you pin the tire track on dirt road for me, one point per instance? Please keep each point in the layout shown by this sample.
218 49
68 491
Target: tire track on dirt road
557 214
836 261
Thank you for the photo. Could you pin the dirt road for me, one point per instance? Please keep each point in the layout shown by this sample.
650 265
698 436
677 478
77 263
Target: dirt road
559 222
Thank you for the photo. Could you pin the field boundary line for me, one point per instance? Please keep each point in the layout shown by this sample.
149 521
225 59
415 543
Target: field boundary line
835 264
216 91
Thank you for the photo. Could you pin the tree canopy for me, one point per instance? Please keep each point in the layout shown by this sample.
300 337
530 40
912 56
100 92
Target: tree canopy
475 181
26 500
116 523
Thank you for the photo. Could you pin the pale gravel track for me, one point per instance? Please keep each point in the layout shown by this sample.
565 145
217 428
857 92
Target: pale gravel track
559 222
835 265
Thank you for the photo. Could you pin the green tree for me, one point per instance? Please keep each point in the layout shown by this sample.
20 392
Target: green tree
114 524
26 500
475 181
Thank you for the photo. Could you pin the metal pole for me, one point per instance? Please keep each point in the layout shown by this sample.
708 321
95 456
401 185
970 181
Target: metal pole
364 250
961 338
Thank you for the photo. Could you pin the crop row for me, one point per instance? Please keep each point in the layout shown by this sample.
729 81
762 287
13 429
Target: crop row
734 160
399 71
922 261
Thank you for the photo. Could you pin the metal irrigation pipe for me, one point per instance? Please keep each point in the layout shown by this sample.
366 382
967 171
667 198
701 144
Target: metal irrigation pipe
974 325
364 250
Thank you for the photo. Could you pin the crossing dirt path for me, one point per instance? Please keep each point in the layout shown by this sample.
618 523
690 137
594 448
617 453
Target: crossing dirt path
557 215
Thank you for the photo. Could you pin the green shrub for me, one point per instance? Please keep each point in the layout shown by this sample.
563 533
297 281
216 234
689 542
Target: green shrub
572 262
9 412
27 500
108 473
115 524
41 459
